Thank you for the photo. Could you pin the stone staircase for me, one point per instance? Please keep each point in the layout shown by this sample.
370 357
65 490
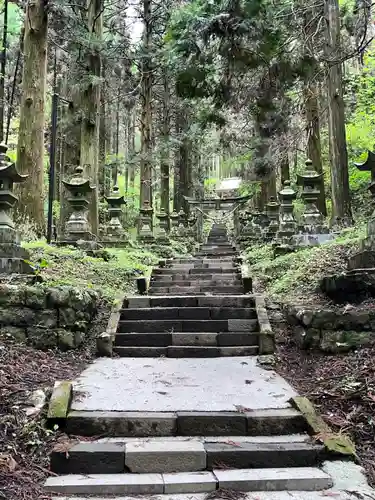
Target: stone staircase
214 419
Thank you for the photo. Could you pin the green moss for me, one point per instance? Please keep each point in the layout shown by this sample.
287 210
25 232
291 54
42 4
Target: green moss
60 400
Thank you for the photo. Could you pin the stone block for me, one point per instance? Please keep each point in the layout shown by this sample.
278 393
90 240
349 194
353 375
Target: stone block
17 316
165 456
89 458
15 332
58 297
211 423
233 301
275 422
171 301
69 340
67 317
106 484
193 352
344 341
35 297
189 482
137 302
194 339
48 318
204 326
324 319
290 479
193 313
128 424
61 398
140 352
12 295
104 345
42 338
306 338
231 339
239 351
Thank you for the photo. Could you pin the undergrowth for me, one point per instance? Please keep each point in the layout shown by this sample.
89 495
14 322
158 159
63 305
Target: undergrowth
297 274
114 272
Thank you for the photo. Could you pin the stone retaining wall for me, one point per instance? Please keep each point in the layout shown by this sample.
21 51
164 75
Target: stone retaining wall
330 330
47 317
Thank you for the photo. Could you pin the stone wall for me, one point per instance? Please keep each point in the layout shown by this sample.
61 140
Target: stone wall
330 330
47 317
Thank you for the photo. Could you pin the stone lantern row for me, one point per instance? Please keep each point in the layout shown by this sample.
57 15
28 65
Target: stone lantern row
278 224
14 259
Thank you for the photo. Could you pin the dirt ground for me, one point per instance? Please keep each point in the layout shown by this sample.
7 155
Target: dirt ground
342 387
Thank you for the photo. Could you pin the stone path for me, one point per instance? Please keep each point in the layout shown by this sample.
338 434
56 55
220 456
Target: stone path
186 409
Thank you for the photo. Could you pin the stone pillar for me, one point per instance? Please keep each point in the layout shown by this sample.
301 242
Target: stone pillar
310 182
78 226
114 231
163 227
287 224
273 208
175 220
13 258
145 233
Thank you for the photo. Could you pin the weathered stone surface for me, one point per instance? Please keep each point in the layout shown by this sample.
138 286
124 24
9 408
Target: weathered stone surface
275 422
58 297
165 456
210 423
17 316
42 338
46 318
35 297
343 341
68 340
189 482
12 295
132 424
242 325
15 332
194 339
89 458
104 345
60 400
306 338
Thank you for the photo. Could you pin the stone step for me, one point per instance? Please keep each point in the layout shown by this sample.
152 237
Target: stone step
201 339
172 278
190 301
194 270
183 351
186 325
161 283
217 313
151 424
292 479
192 455
190 290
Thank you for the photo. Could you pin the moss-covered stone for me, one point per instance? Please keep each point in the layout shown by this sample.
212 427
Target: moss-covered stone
60 400
343 341
17 316
12 295
334 443
36 297
17 333
42 338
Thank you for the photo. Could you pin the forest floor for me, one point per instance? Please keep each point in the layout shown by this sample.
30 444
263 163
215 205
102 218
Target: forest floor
342 386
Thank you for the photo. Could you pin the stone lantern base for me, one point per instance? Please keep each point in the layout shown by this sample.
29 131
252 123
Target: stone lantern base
13 258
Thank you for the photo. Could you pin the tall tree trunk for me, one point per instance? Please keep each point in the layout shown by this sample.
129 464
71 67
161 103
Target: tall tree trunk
165 156
311 94
3 70
30 151
341 207
284 168
103 184
131 147
90 102
146 114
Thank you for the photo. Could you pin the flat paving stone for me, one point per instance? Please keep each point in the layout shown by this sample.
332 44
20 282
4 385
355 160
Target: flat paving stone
171 385
260 495
110 484
189 482
293 478
165 456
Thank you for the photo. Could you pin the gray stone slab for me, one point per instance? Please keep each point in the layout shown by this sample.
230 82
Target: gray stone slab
150 339
210 423
173 301
110 484
170 385
194 339
230 339
293 478
165 456
136 302
239 351
193 352
189 482
140 352
242 325
90 458
262 455
261 495
290 438
275 422
118 423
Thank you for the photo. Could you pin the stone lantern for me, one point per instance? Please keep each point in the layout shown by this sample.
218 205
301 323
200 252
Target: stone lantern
273 208
78 226
12 257
145 232
287 224
191 223
162 229
114 229
310 182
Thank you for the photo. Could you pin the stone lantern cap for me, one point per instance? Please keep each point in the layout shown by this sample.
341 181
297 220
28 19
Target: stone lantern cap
287 193
8 169
78 183
115 198
310 177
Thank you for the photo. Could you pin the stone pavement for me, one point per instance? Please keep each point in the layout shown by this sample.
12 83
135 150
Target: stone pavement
188 409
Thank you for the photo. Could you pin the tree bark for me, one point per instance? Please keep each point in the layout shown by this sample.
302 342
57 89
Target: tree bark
341 207
30 150
165 156
90 102
146 114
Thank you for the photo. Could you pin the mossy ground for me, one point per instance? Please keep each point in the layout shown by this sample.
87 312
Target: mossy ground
297 275
72 266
